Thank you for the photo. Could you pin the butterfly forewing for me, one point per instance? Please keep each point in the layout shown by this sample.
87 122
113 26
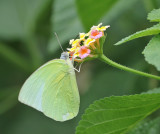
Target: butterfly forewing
32 90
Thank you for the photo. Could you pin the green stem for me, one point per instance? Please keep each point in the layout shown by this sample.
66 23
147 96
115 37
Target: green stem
114 64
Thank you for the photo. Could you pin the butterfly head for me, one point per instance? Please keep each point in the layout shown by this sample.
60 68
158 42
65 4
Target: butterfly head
64 56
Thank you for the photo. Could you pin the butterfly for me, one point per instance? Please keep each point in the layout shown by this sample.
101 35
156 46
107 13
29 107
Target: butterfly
52 89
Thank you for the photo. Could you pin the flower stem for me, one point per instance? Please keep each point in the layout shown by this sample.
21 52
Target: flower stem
114 64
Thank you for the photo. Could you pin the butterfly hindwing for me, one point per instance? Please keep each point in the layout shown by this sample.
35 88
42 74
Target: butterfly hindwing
61 102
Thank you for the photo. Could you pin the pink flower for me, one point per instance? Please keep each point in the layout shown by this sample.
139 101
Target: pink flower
84 52
95 34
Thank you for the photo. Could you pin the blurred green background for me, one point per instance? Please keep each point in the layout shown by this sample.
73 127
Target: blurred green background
27 41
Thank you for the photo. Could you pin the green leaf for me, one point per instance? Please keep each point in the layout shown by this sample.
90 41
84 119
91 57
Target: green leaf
152 52
120 7
18 17
5 92
147 127
65 22
156 90
117 114
9 100
15 58
91 11
19 20
149 31
154 15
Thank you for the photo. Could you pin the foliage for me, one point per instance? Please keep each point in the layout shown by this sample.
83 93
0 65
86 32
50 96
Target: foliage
154 16
149 31
27 41
117 114
96 10
147 127
61 13
151 51
8 99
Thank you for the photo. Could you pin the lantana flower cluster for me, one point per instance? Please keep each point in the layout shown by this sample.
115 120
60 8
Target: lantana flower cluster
87 43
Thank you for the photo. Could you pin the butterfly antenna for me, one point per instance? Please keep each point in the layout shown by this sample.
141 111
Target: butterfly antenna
58 41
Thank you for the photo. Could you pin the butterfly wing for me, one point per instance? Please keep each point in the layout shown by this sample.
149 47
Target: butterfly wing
52 89
32 90
61 101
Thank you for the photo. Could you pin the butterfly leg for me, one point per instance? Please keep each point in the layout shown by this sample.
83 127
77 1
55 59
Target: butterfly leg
78 70
73 60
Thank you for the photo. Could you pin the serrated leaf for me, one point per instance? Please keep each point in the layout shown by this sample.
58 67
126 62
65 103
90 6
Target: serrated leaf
147 127
117 114
149 31
152 52
154 15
